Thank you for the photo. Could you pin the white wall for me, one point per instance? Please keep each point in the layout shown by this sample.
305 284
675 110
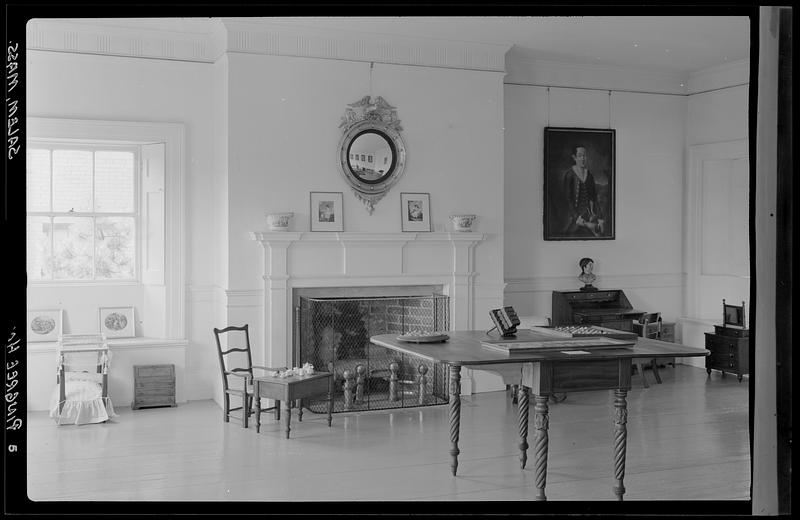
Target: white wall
66 85
718 117
645 258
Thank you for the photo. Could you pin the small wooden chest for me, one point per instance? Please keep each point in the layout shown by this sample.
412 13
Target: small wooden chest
154 385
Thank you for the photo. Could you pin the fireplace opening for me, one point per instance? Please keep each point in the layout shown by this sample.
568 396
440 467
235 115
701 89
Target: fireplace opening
332 333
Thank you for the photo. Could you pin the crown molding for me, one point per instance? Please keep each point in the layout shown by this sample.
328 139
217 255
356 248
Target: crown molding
263 38
735 73
269 38
527 71
99 38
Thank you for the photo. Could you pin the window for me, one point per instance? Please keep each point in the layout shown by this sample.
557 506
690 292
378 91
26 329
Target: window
82 212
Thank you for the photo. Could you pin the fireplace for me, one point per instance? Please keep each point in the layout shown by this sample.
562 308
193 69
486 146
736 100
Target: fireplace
332 333
317 265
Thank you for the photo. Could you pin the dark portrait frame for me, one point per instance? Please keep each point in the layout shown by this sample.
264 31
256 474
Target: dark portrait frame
600 144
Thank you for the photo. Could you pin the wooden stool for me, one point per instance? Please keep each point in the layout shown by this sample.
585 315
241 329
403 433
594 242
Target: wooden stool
289 390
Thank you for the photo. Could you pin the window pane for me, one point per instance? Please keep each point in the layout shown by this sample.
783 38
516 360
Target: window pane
113 182
37 180
72 248
72 180
38 248
115 240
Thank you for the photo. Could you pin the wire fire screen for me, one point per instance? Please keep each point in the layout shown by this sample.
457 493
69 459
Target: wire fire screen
333 335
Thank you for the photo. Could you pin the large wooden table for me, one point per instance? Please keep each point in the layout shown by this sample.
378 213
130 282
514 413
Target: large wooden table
541 373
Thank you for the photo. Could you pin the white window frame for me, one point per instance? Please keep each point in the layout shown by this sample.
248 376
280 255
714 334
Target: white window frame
141 133
93 146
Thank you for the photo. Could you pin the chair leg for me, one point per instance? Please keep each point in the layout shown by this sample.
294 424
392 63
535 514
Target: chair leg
277 410
514 393
640 368
226 407
655 371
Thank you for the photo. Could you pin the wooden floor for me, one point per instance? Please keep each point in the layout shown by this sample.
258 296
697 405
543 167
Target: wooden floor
687 440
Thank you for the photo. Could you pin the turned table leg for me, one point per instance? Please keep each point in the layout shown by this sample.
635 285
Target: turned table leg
288 417
540 422
522 406
455 414
620 440
258 406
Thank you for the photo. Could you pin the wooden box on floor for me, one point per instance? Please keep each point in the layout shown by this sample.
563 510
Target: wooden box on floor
154 385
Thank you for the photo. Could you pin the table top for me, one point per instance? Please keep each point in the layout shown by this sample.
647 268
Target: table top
464 349
292 379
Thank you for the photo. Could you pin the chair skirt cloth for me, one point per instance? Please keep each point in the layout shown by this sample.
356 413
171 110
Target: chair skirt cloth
84 403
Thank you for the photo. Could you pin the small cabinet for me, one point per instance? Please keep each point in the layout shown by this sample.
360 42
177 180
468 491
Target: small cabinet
154 385
729 351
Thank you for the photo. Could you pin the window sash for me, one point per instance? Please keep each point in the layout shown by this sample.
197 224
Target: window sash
93 147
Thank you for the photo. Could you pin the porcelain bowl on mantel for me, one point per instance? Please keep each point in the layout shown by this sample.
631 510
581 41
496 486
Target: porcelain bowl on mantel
279 221
462 222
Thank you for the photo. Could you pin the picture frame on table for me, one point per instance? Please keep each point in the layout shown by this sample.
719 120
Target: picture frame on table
326 211
415 212
117 322
579 183
44 325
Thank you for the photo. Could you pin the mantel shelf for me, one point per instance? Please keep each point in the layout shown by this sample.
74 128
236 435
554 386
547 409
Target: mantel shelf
364 237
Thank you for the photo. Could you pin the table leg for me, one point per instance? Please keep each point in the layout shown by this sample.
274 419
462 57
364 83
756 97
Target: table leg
257 397
620 440
288 417
455 414
522 406
541 440
300 410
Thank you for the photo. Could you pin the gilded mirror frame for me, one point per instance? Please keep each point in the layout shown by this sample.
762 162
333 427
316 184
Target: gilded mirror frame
364 118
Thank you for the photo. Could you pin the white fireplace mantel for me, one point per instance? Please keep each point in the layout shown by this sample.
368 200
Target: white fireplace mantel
350 259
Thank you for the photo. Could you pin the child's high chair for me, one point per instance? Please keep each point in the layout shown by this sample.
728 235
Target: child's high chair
82 375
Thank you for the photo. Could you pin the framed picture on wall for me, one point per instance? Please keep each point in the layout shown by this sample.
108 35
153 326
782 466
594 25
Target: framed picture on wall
326 211
117 322
415 211
44 325
579 183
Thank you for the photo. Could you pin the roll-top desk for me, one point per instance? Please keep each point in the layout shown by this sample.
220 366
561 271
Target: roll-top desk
608 308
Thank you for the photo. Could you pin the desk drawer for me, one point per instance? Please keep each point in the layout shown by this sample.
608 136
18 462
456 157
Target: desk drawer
154 371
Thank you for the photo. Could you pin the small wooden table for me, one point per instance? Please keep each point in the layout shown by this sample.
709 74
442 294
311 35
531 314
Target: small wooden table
544 373
290 389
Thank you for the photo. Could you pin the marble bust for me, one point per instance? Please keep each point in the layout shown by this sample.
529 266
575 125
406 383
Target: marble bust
587 276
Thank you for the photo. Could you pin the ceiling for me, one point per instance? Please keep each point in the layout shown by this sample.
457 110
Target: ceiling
682 44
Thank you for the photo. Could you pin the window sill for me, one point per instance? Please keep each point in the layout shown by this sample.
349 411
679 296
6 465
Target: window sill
116 344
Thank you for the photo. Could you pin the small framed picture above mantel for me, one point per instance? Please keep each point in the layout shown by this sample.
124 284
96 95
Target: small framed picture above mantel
579 183
326 211
415 211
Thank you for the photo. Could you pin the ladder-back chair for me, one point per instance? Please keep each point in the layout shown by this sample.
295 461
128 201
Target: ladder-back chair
650 323
236 362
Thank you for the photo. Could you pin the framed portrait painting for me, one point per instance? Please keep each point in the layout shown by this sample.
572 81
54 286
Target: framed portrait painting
117 322
44 325
326 211
579 183
415 211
